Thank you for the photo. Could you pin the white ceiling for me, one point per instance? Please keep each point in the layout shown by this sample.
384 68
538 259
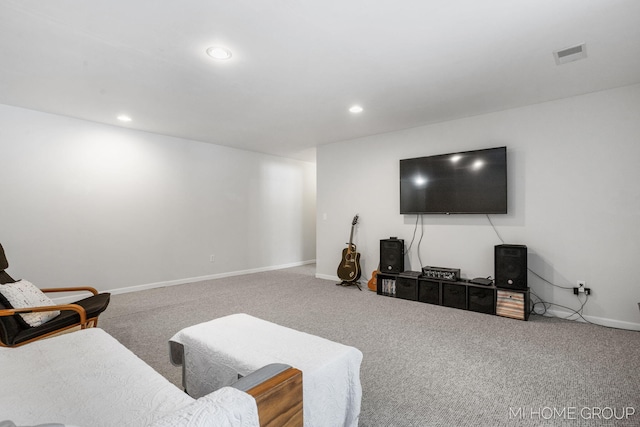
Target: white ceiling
298 65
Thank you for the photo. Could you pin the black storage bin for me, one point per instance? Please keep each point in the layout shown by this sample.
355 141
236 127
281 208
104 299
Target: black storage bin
429 291
454 295
407 286
482 299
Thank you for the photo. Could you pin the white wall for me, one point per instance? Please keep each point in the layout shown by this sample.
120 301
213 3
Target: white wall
574 199
85 203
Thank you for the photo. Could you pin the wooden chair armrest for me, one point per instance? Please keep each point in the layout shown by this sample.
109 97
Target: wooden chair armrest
74 307
279 399
72 289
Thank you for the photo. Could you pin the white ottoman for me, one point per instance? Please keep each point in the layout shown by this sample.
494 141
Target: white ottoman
217 352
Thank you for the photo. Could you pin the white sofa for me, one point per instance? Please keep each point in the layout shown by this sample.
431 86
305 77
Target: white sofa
88 379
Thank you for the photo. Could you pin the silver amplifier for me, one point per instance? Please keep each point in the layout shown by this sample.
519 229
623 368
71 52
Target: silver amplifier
441 273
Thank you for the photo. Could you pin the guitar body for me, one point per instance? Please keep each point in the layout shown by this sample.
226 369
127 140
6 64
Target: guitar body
373 282
349 268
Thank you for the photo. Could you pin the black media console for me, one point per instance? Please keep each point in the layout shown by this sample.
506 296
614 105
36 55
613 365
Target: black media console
410 285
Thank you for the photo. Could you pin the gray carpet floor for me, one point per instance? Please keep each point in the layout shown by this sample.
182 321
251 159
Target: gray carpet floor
423 365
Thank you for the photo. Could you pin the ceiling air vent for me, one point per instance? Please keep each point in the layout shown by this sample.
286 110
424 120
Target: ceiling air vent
570 54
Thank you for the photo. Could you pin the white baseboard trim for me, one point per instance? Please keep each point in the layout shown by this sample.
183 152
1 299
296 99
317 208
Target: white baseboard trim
602 321
136 288
328 277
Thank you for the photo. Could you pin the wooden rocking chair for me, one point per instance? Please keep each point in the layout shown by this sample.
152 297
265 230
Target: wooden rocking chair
14 331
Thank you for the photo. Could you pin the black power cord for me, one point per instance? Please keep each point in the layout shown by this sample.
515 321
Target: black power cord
546 305
414 236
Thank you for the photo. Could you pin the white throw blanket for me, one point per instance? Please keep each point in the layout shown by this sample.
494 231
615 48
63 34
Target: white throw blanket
88 379
217 351
226 407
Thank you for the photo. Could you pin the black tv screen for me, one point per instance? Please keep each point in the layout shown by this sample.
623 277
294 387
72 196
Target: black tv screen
469 182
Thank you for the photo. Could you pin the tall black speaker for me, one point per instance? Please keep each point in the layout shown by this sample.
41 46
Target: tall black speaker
511 266
392 255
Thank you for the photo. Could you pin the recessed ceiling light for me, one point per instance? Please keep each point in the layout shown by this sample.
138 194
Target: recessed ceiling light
124 118
356 109
220 53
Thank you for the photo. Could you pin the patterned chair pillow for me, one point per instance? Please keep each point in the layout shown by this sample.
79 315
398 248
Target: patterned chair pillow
22 294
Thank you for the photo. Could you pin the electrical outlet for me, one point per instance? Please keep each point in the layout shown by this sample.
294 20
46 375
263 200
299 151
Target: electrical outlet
212 258
581 288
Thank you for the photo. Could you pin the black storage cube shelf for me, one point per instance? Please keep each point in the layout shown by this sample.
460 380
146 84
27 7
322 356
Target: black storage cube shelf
461 294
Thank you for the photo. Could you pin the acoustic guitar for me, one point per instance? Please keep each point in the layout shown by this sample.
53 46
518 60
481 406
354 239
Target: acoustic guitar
349 268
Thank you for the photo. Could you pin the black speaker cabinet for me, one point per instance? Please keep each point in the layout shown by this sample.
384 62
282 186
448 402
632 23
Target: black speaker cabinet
454 295
482 299
511 266
429 291
392 256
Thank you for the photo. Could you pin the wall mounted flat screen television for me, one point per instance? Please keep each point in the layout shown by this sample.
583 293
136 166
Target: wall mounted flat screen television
469 182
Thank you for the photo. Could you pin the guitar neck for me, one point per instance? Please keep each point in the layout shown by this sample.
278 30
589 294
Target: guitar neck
353 226
350 240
